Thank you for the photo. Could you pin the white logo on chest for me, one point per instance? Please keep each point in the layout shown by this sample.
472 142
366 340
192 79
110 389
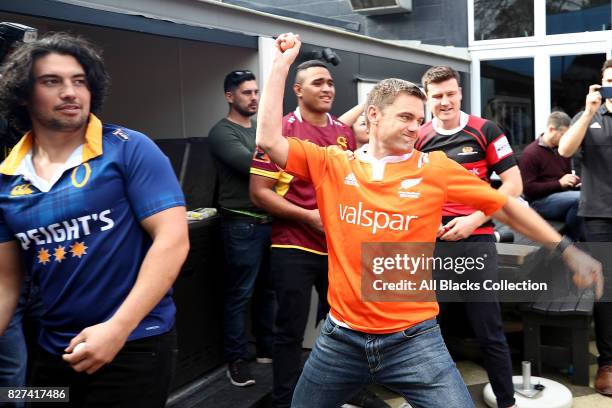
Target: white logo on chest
407 184
351 180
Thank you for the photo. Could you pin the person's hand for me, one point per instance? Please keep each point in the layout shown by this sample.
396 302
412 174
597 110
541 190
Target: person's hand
587 271
461 227
569 181
313 219
287 48
102 343
441 230
593 100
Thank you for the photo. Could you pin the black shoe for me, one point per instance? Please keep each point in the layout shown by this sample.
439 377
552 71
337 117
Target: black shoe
239 374
264 355
264 359
367 399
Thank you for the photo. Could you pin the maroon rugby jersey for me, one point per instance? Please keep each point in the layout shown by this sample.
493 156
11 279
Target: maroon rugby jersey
289 233
477 144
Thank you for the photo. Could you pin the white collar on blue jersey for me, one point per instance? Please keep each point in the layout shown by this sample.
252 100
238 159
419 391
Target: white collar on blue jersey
463 120
19 161
26 169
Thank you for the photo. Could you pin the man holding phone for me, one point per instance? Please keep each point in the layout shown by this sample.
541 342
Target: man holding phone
591 135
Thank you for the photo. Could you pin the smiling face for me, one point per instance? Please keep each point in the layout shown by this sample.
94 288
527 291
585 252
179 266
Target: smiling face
60 98
396 125
444 101
315 89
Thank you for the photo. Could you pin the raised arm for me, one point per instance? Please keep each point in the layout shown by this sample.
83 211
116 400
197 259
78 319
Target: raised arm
572 139
269 118
350 116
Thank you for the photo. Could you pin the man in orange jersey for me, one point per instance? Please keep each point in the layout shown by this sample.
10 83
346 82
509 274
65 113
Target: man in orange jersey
388 192
298 254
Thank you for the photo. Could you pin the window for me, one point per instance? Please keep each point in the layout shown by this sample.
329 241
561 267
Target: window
563 16
507 98
534 56
570 77
502 19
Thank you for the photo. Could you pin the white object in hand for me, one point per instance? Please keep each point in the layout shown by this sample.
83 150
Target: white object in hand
78 347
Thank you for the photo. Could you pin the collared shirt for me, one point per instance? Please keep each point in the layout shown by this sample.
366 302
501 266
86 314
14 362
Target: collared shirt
477 144
596 159
294 234
392 200
80 232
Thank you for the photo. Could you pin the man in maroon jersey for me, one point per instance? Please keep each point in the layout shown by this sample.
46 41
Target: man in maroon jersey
482 148
299 253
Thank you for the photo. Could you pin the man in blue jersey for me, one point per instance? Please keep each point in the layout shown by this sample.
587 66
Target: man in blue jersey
96 215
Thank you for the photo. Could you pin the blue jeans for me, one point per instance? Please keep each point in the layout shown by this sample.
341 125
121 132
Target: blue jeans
13 347
414 363
563 206
482 312
247 247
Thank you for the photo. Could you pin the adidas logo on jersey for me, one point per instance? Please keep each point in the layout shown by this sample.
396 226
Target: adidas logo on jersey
407 184
351 180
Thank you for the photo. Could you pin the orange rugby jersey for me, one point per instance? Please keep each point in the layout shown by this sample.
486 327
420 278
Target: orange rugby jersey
352 192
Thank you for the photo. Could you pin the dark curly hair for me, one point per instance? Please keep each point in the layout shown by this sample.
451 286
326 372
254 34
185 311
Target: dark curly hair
17 79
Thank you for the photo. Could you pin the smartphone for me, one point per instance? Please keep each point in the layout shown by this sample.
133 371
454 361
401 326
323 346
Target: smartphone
606 92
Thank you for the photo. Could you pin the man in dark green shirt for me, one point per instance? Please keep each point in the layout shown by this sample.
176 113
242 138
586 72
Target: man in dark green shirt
246 230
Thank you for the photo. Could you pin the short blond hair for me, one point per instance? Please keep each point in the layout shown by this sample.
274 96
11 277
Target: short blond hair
386 91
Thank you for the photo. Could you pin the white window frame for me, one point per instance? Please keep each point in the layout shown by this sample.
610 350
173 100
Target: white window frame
540 47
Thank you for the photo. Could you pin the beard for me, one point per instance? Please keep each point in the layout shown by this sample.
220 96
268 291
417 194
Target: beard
244 110
66 125
59 124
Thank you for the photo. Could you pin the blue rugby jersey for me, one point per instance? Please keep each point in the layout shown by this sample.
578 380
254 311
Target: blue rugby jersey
81 237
